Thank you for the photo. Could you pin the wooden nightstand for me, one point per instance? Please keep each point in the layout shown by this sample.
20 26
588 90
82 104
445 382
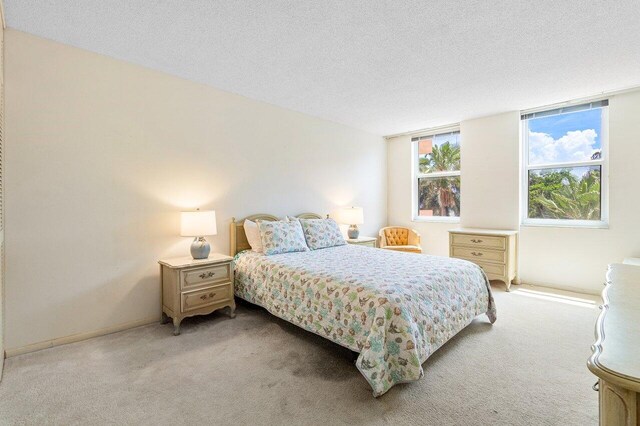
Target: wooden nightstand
196 287
364 241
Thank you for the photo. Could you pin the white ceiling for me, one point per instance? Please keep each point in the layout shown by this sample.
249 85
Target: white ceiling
383 66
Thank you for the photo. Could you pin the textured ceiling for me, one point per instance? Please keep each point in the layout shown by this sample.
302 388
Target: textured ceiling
383 66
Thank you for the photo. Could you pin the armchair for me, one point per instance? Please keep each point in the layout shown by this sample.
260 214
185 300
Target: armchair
400 239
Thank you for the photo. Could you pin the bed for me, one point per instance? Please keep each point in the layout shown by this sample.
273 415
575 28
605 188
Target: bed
394 309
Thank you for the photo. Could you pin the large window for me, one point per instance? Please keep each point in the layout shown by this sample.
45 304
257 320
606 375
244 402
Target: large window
437 176
564 173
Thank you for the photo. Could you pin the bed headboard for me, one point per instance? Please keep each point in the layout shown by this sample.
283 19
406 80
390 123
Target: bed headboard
237 237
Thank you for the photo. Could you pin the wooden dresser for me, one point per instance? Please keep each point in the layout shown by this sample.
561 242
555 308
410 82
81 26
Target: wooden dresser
196 287
495 251
616 352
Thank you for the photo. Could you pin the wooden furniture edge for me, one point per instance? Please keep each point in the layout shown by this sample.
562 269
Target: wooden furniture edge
593 363
204 262
488 232
311 216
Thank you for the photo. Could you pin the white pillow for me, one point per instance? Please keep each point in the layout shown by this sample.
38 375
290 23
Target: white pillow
252 232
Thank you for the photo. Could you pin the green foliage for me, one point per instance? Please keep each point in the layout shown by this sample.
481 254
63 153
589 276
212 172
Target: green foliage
559 194
442 195
443 158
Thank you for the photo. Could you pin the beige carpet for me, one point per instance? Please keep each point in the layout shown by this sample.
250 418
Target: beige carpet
527 369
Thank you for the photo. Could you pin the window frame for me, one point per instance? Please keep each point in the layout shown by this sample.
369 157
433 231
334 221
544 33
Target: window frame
603 162
416 175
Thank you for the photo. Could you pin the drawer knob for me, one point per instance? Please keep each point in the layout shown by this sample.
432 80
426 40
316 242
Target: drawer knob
205 296
476 254
207 275
476 241
596 386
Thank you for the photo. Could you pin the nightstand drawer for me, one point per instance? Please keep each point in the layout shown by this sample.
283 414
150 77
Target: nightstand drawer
364 241
481 241
205 297
492 268
197 277
367 244
479 254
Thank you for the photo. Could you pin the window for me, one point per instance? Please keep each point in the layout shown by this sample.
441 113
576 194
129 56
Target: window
564 173
437 176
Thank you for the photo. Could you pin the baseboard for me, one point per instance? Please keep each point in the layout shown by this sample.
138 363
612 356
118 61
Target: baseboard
579 290
78 337
133 324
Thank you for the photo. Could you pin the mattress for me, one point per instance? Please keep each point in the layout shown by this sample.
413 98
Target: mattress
394 308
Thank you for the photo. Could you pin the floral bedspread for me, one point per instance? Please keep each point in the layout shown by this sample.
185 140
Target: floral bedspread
394 308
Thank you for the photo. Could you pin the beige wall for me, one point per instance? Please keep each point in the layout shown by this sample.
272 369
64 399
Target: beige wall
102 155
2 152
489 172
489 181
570 258
577 258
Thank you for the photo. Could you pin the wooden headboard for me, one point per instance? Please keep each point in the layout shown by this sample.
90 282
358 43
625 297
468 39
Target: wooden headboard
237 237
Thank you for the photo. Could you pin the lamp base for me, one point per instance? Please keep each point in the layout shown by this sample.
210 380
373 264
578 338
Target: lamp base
353 232
200 248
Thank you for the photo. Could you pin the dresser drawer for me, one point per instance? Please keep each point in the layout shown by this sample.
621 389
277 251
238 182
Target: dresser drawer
481 241
208 296
490 269
193 278
479 254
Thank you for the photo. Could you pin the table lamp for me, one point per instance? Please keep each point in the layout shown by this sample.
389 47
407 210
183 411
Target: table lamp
352 216
197 224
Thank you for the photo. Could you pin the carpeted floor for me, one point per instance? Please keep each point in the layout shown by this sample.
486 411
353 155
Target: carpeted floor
527 369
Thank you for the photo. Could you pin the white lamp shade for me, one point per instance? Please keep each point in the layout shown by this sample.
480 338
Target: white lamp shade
198 223
352 216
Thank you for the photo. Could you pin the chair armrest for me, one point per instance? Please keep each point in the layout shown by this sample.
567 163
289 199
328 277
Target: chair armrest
414 238
382 241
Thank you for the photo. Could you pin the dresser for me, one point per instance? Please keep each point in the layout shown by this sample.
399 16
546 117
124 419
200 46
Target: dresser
363 241
616 352
495 251
196 287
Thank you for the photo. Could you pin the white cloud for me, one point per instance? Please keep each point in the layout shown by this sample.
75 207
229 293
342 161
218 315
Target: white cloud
577 145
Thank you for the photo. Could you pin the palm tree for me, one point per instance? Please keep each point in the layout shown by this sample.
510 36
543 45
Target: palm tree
560 194
445 157
442 195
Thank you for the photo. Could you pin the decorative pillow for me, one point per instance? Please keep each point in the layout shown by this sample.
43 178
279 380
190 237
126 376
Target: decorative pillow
253 235
322 233
281 236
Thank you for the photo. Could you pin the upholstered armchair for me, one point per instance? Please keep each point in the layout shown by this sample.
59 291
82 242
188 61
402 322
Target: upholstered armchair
400 239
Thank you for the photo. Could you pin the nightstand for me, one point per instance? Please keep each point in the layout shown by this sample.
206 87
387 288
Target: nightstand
363 241
196 287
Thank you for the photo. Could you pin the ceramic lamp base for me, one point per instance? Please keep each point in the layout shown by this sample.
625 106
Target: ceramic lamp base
200 248
353 232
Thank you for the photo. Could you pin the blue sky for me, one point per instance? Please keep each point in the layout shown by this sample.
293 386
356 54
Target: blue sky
562 138
557 126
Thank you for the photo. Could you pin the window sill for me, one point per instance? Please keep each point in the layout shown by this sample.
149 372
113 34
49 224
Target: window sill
557 223
436 219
